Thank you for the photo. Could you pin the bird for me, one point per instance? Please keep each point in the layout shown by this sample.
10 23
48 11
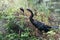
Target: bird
39 25
22 10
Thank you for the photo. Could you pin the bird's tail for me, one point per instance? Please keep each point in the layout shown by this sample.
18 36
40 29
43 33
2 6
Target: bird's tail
55 27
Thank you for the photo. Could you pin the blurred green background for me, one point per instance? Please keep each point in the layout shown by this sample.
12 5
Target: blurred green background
46 11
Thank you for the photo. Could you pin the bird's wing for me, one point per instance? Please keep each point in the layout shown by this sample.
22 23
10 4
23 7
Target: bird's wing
40 24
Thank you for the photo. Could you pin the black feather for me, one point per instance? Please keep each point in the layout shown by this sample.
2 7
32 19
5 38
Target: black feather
22 10
41 26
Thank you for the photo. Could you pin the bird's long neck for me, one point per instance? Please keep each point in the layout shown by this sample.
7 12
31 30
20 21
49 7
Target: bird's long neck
31 17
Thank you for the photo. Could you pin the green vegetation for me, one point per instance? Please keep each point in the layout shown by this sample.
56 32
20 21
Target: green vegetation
10 14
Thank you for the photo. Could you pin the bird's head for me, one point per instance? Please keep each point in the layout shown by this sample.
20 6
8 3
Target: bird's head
22 10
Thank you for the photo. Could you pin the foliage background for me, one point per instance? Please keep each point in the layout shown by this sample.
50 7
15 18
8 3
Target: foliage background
43 10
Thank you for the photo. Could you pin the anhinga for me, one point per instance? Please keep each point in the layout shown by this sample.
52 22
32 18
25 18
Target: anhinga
39 25
22 10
